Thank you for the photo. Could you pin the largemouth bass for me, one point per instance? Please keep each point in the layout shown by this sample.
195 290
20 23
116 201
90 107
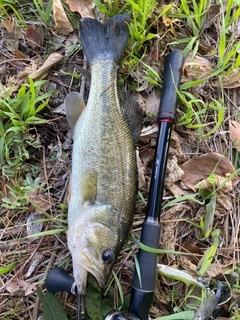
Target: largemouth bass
104 182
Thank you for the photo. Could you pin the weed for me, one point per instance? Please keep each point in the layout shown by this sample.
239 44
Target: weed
110 7
12 5
43 10
17 115
197 113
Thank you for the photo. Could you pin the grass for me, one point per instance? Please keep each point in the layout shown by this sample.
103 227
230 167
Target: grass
35 162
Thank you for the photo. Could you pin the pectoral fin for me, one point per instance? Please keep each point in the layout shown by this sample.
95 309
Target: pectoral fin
74 107
89 188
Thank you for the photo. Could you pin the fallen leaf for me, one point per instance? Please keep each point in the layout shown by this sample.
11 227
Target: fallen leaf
33 226
39 203
199 168
20 285
234 133
141 171
33 37
34 264
19 54
177 191
152 102
230 81
9 25
149 132
53 59
62 24
196 68
173 171
83 7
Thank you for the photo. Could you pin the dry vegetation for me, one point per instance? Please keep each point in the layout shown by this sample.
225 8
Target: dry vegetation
35 147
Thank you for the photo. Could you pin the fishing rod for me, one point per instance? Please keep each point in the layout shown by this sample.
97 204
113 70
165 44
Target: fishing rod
143 285
143 289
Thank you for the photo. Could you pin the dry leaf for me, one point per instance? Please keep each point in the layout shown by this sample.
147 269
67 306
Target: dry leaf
19 284
149 132
173 172
234 132
39 204
198 169
62 24
83 7
34 264
19 54
152 102
53 59
33 37
33 226
196 68
177 191
230 81
141 171
9 25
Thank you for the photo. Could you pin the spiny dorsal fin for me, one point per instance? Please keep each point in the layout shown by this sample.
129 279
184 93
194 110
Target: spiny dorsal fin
133 112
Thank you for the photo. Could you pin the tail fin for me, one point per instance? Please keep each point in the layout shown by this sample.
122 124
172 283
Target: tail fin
104 40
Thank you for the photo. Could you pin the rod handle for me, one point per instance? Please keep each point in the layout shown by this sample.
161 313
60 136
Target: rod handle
171 81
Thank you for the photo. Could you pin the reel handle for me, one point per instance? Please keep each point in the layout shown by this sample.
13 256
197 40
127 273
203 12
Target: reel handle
58 280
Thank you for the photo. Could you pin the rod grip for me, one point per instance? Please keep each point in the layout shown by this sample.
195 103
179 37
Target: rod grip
143 284
171 81
147 260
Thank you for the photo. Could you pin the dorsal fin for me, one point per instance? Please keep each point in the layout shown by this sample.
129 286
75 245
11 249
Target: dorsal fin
133 112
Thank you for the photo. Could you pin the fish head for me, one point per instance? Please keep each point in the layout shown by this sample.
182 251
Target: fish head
93 241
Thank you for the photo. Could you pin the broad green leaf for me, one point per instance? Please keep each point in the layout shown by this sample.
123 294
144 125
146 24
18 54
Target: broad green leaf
209 254
97 303
52 309
179 275
184 315
7 268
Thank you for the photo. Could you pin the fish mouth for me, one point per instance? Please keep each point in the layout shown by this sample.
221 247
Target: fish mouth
93 265
88 262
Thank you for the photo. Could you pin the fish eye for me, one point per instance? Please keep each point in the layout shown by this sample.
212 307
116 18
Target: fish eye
108 257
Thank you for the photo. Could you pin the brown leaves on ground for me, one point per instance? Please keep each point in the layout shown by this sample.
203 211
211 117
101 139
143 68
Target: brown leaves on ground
83 7
196 68
230 80
62 24
200 168
234 133
20 285
52 59
197 172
